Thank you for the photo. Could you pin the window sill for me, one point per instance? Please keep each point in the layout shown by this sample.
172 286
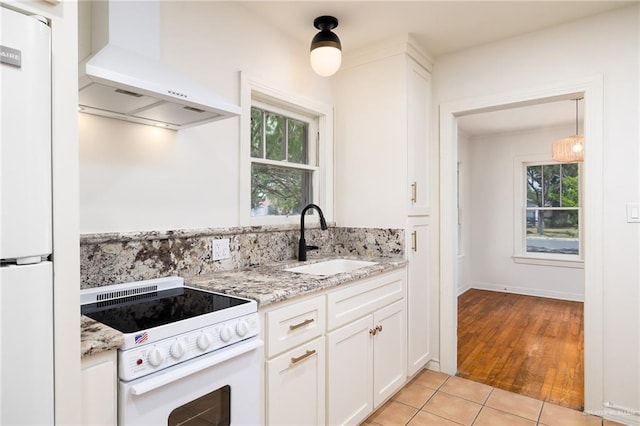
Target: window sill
561 263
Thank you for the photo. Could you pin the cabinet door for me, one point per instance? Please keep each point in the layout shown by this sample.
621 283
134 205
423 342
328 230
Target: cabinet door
296 386
389 356
349 378
98 382
419 97
418 296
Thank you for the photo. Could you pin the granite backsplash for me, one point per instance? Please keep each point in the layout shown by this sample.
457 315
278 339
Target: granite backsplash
115 258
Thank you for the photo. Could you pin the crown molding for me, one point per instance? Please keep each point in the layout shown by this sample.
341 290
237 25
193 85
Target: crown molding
403 44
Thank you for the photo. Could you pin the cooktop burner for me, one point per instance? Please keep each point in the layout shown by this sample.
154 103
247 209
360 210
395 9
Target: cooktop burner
148 310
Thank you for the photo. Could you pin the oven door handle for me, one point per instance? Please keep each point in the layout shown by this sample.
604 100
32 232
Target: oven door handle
155 381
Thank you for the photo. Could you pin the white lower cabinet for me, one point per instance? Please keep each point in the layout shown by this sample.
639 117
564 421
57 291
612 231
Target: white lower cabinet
418 296
99 386
389 343
366 358
295 386
349 372
366 364
334 358
295 366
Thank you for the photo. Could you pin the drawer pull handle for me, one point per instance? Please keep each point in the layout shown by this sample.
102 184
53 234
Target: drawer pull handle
302 324
295 360
414 192
414 241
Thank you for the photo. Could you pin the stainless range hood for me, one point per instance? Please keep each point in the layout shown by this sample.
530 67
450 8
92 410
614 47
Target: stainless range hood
124 78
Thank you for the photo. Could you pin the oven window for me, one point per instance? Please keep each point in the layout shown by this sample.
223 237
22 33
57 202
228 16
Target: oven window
212 409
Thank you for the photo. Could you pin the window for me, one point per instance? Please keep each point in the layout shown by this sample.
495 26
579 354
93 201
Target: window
281 174
286 156
551 224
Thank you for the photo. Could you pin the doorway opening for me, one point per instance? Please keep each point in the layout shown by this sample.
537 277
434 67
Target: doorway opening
520 274
592 205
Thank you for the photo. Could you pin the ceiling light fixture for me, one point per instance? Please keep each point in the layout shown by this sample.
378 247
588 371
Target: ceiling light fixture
571 149
326 50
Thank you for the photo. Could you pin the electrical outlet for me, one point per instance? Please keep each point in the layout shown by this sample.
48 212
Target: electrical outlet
220 249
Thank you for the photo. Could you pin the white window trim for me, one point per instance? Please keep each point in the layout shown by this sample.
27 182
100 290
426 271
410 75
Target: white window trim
252 89
519 253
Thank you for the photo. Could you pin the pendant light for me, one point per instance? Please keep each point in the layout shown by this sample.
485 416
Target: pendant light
571 149
326 50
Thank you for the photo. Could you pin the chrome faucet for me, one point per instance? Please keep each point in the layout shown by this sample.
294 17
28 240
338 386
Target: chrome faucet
302 245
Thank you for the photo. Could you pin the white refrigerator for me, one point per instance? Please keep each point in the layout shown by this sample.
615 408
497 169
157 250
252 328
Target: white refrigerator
26 273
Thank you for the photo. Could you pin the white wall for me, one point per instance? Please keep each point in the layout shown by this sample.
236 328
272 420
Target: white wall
491 217
606 45
136 178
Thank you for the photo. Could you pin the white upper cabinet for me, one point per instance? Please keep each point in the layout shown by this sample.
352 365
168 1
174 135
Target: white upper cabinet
382 108
418 100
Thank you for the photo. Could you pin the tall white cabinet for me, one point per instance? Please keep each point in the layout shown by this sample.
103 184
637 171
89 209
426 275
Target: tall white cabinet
382 111
418 236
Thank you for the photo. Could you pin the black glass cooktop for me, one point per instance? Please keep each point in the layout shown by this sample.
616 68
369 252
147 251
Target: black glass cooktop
144 311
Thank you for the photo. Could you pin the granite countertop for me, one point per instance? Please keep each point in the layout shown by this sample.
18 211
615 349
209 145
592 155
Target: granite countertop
96 337
264 284
271 284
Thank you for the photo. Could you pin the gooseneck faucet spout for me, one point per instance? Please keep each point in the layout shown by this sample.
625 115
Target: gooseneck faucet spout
302 245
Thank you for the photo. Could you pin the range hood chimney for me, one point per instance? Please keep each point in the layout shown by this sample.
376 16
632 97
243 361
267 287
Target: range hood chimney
125 79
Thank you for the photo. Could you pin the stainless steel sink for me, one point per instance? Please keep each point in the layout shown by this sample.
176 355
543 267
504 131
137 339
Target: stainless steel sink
331 267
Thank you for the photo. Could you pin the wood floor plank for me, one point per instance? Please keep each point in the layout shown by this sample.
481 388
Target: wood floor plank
529 345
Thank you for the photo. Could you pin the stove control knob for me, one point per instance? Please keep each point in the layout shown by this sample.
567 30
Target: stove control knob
226 333
204 341
242 328
155 357
177 349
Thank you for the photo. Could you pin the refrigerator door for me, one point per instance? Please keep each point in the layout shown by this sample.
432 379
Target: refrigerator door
26 344
25 138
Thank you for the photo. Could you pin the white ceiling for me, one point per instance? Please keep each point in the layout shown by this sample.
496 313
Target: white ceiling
441 27
549 114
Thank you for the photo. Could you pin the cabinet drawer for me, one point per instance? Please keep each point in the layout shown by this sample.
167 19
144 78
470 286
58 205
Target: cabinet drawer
294 324
353 302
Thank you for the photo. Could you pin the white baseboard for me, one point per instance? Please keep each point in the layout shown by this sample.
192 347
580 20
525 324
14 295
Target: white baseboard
528 291
434 365
463 289
629 420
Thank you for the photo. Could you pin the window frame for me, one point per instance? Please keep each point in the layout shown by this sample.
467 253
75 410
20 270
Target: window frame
520 254
264 96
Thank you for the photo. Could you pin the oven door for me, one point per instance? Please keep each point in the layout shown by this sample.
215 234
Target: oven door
221 388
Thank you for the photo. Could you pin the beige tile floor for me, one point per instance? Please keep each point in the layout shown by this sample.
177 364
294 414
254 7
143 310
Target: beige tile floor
433 398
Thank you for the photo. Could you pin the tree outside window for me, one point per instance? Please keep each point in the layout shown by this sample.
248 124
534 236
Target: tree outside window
281 176
553 209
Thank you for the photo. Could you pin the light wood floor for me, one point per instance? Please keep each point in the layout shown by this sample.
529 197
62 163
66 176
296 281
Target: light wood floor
528 345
